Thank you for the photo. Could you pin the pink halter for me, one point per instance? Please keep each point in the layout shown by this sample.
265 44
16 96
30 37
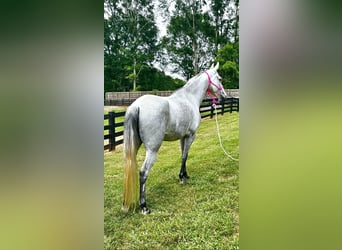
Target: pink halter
213 100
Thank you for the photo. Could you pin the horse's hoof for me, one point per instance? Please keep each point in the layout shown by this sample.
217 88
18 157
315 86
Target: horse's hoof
145 211
183 179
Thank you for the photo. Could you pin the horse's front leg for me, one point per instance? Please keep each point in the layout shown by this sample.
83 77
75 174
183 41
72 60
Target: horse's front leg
144 171
185 146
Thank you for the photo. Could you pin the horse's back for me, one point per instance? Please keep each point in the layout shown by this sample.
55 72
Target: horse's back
151 106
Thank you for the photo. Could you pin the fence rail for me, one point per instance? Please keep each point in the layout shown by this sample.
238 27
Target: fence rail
127 98
114 136
116 125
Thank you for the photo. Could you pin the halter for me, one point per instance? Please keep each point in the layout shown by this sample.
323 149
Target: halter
213 100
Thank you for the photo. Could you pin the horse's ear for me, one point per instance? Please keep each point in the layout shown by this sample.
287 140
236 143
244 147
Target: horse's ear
217 65
212 66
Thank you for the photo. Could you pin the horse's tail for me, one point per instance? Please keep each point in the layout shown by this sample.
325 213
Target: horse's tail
132 143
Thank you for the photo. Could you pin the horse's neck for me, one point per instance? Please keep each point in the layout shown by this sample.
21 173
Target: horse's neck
196 89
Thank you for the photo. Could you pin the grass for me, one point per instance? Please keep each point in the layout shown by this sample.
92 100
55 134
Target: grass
202 214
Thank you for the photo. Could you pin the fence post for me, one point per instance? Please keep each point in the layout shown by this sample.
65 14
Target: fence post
231 104
222 105
238 105
211 109
111 123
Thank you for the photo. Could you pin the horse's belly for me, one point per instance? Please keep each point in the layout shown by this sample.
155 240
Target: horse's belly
183 121
171 138
174 134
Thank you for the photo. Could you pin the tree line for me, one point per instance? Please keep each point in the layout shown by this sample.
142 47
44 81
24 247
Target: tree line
198 33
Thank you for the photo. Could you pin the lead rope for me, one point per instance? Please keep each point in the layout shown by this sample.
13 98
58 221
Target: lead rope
219 136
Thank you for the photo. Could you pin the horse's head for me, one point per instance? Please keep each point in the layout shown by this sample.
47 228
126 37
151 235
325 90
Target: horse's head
215 86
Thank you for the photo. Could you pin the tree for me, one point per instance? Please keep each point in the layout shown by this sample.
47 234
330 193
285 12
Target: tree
189 42
130 40
197 33
228 57
225 19
154 79
236 23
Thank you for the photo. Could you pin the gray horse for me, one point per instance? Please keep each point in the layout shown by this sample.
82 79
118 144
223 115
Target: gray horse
152 119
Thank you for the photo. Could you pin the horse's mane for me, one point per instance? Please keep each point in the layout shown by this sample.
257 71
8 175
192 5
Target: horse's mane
188 83
191 80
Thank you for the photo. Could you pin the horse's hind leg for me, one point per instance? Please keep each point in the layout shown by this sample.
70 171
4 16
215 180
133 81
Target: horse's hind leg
144 171
185 146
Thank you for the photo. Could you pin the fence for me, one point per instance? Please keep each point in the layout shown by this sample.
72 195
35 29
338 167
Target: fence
225 105
127 98
114 136
116 124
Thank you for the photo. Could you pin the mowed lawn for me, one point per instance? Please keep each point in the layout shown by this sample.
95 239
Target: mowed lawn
202 214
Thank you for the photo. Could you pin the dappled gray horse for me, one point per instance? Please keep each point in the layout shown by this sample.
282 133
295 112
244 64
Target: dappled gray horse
151 119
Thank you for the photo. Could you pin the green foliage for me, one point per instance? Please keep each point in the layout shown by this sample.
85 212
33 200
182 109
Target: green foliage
202 214
196 36
130 37
224 18
228 57
189 42
154 79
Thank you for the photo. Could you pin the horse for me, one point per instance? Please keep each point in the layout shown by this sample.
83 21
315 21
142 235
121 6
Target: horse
152 119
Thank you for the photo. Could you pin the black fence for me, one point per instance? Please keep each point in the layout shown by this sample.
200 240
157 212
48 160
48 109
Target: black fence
222 106
115 127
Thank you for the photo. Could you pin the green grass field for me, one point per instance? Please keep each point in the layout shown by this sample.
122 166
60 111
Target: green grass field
202 214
